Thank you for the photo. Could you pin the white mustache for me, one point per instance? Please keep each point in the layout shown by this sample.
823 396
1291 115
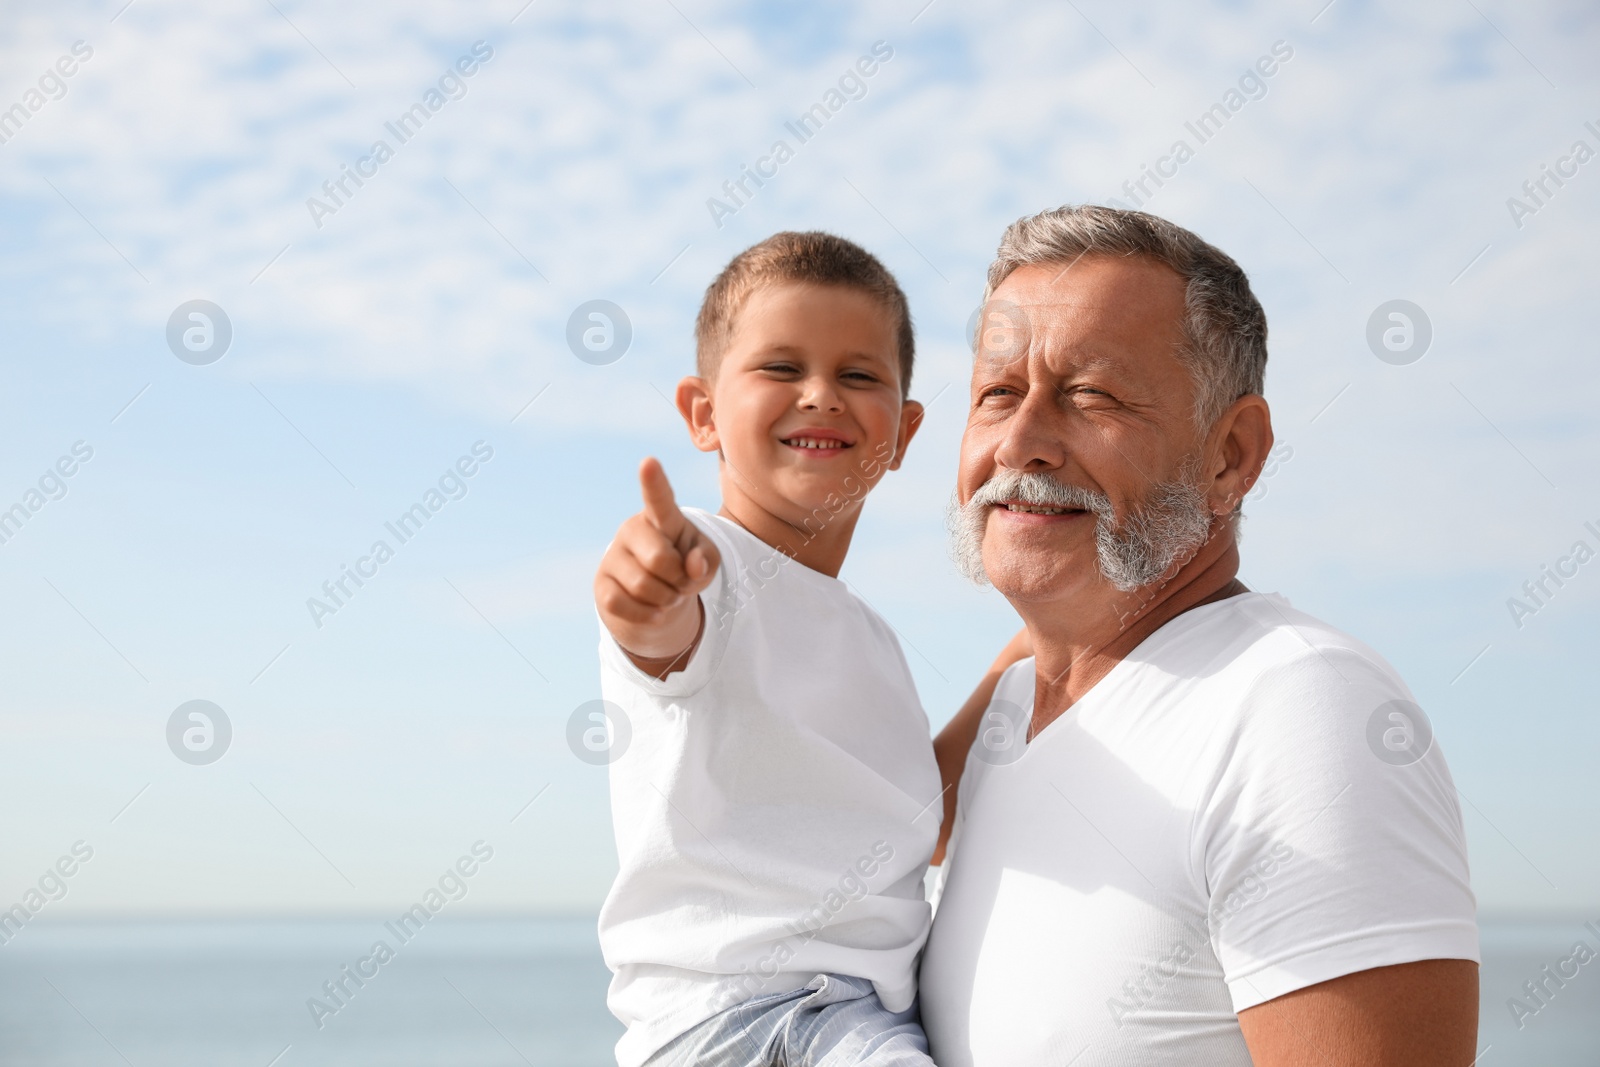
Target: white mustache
1039 490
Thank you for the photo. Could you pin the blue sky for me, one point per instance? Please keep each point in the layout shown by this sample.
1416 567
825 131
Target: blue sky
371 352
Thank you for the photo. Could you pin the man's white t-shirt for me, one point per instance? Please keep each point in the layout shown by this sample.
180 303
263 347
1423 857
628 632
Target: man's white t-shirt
775 807
1248 804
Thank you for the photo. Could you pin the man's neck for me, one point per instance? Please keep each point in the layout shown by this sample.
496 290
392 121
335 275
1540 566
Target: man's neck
1077 642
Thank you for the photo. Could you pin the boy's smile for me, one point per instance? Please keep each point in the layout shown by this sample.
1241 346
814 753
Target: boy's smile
817 439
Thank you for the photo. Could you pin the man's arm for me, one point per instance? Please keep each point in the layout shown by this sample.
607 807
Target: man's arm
951 746
1410 1015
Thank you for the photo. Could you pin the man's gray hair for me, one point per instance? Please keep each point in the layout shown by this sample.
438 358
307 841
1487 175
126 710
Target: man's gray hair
1225 327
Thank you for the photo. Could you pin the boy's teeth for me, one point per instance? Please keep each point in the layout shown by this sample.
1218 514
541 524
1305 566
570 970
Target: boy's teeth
807 442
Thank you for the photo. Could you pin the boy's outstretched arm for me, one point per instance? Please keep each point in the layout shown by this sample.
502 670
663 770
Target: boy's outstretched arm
951 746
648 587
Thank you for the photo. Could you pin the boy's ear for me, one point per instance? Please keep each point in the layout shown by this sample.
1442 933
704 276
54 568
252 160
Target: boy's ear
694 404
910 422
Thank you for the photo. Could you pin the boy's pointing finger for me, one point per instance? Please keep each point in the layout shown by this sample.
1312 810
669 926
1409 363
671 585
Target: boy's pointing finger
660 506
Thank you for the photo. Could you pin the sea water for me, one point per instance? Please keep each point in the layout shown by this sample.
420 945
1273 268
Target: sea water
202 993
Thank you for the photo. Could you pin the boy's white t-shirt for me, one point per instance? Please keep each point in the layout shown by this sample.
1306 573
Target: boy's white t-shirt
775 807
1248 804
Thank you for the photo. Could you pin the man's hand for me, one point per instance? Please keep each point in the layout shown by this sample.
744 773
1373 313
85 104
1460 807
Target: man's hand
950 748
649 582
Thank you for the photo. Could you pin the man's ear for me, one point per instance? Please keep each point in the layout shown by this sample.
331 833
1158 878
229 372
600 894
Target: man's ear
1239 443
910 422
694 404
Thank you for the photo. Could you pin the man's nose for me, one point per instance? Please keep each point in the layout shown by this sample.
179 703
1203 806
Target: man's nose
1034 437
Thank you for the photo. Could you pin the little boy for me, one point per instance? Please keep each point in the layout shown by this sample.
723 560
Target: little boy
778 803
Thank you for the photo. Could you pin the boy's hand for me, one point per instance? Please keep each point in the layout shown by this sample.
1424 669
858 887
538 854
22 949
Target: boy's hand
649 583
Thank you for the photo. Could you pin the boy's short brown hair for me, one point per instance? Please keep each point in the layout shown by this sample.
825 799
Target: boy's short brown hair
811 257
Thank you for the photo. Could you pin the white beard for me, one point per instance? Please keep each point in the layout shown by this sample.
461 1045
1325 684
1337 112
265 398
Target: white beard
1167 527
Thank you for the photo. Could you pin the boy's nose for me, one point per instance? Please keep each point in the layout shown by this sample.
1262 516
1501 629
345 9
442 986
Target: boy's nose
820 395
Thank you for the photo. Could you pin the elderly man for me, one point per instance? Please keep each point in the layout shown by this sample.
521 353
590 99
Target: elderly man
1196 826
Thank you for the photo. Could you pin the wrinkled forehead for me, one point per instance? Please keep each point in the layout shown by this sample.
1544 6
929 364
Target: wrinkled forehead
1073 336
1095 308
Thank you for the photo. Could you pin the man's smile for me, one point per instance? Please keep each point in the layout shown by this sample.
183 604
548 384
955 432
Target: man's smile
1022 508
1020 511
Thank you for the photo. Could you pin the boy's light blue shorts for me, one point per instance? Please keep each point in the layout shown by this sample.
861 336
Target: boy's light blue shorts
832 1021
